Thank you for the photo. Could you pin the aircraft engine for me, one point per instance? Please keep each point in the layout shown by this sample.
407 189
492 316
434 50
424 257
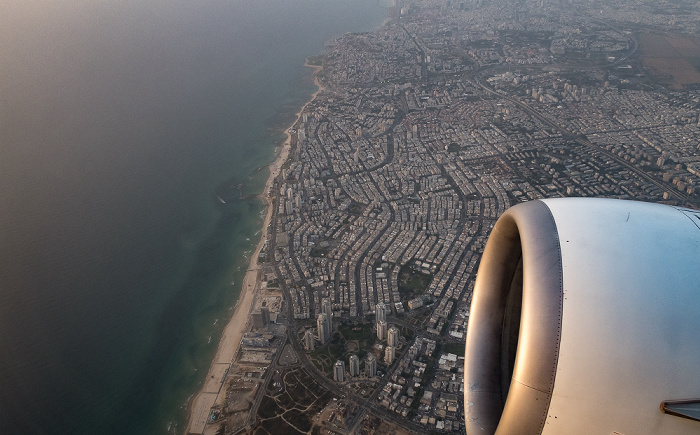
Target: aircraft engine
585 319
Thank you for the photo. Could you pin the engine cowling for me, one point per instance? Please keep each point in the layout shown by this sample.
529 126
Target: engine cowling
585 319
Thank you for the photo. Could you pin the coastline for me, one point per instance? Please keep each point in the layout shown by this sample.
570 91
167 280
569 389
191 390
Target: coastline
200 406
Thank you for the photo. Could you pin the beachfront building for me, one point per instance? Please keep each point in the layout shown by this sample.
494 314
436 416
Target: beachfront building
339 371
381 330
354 365
323 327
260 318
371 366
393 337
309 340
389 354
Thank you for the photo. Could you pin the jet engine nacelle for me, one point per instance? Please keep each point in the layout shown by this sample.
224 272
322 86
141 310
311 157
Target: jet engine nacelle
585 319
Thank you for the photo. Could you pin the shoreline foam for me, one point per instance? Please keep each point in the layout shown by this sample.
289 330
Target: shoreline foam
200 406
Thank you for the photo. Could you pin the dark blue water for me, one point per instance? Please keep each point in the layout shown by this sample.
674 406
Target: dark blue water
118 122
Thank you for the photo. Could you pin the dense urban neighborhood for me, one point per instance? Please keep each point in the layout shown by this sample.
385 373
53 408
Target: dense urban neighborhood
423 133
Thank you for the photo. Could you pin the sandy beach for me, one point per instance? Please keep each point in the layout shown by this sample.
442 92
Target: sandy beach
200 406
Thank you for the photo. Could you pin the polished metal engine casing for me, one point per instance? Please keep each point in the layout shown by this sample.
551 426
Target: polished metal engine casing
607 297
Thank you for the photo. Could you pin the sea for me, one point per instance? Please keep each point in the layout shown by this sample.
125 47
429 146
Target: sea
123 126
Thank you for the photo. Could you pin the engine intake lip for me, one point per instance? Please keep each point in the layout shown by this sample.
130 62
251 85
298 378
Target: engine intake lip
526 231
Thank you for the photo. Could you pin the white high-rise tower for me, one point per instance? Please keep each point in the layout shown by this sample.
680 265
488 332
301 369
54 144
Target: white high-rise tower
371 366
389 354
327 309
339 371
381 330
309 342
393 337
354 365
380 311
324 330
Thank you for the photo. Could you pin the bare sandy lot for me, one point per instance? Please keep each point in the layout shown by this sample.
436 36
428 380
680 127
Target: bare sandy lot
671 59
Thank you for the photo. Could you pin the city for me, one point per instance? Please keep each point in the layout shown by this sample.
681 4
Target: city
425 131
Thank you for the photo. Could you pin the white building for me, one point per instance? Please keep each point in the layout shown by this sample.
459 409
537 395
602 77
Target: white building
381 330
309 342
380 311
339 371
323 327
393 337
327 309
371 366
354 365
389 354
